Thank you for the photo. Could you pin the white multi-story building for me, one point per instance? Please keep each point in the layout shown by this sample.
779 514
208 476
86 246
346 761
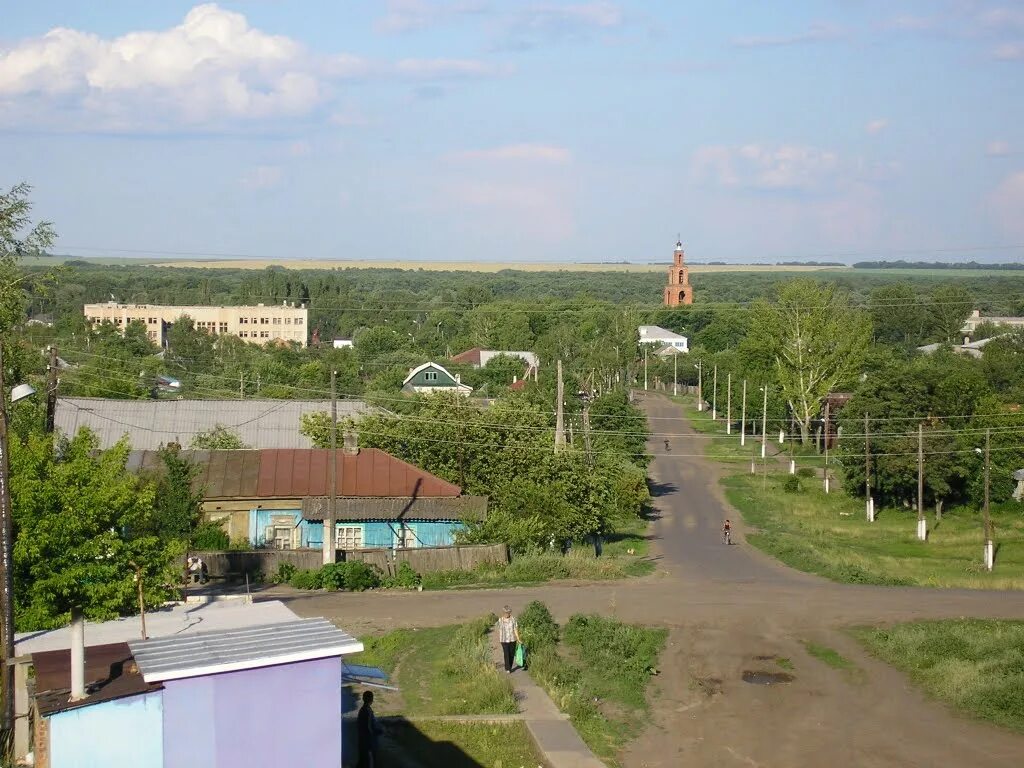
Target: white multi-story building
662 337
259 324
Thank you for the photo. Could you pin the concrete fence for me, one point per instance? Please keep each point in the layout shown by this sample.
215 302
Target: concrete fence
235 565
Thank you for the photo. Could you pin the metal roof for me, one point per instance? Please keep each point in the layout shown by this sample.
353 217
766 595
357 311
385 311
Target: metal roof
463 508
292 474
174 620
150 424
210 653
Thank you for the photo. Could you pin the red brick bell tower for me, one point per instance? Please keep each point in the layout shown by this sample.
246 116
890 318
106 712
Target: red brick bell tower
678 290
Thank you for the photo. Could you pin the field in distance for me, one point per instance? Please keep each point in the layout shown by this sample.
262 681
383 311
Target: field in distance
477 266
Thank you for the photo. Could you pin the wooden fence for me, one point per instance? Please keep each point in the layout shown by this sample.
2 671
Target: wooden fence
265 562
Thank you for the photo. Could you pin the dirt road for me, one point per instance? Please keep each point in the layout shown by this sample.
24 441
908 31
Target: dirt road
730 610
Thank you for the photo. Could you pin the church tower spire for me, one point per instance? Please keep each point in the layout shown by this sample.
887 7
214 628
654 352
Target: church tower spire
678 291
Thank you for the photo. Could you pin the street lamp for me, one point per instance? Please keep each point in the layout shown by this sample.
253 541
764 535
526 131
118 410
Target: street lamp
989 549
764 422
20 392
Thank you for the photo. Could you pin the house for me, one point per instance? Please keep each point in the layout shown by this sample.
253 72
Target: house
278 498
431 377
151 424
973 349
478 358
209 698
653 334
343 343
976 319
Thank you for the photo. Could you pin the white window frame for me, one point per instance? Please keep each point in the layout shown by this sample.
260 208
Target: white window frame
349 536
405 537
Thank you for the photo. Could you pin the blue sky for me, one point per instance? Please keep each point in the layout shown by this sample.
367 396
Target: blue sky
520 131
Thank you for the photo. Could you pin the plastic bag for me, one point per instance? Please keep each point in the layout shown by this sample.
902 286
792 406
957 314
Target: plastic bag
520 656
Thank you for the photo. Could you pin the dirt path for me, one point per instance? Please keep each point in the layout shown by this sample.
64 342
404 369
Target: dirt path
725 607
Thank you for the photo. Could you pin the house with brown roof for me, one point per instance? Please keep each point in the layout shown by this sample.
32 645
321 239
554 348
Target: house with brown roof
278 498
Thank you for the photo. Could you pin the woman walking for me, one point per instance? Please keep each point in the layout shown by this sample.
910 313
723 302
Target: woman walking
508 636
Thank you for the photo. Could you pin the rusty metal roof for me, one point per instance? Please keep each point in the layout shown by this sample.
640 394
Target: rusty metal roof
298 472
110 673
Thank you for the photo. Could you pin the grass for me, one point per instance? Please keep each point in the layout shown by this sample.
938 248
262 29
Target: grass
975 665
828 534
616 562
829 656
785 663
445 744
599 674
440 671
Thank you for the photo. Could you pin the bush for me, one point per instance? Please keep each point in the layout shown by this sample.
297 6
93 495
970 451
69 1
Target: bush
806 472
791 484
406 578
359 576
210 537
284 574
537 628
305 580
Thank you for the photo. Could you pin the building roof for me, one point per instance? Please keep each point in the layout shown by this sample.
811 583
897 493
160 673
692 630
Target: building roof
110 673
295 473
174 620
209 653
480 357
657 333
441 368
466 508
469 357
150 424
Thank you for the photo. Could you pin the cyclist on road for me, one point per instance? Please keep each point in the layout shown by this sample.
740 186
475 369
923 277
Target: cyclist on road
667 447
727 531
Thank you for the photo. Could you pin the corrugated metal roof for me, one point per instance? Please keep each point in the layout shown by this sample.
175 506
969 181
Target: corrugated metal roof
151 424
209 653
466 508
293 474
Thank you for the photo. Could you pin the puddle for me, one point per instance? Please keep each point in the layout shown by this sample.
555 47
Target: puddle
770 657
766 678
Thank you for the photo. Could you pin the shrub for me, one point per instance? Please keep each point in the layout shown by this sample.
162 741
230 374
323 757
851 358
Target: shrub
284 574
806 472
405 578
305 579
210 536
537 628
332 576
359 576
791 484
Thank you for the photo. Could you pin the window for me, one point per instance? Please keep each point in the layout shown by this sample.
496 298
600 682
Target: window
223 327
243 334
282 538
430 376
264 334
287 321
298 321
264 321
406 537
277 321
349 537
243 321
151 321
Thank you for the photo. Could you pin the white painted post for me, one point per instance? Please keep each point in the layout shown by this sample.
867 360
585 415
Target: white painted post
792 466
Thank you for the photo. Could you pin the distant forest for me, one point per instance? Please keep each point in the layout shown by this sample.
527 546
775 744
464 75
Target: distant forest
936 265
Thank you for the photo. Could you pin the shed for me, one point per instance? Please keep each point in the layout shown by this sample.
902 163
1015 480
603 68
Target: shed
260 697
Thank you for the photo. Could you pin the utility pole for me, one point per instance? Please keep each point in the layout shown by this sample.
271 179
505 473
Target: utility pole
743 417
700 387
329 553
764 423
586 434
6 565
241 386
867 471
714 396
559 415
645 367
728 404
51 390
826 444
989 548
675 374
922 526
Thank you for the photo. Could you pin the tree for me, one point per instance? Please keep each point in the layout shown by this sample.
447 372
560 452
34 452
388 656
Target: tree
177 508
815 340
219 438
898 314
80 520
18 236
949 307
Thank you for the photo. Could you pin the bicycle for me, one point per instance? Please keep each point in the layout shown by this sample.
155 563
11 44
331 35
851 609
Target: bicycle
727 537
668 447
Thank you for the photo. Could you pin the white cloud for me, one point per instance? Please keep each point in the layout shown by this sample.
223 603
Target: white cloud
816 33
409 15
1003 19
540 23
875 127
907 23
786 167
262 177
1007 201
299 149
536 208
998 148
542 153
210 70
1009 51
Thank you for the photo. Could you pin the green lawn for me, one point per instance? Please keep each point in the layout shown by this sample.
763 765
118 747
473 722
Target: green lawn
599 674
440 671
973 664
829 535
444 744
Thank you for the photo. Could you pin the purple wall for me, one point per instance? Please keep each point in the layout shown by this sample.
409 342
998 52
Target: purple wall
259 718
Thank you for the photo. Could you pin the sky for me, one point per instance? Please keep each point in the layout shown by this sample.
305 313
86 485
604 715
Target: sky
547 131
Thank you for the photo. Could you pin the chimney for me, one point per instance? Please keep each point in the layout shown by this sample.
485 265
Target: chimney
515 379
458 378
77 656
350 443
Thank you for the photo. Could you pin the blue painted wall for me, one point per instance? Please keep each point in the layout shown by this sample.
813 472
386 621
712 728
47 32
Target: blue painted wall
285 715
123 733
375 534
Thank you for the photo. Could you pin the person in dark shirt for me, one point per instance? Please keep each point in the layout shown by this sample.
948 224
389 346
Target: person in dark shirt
369 731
